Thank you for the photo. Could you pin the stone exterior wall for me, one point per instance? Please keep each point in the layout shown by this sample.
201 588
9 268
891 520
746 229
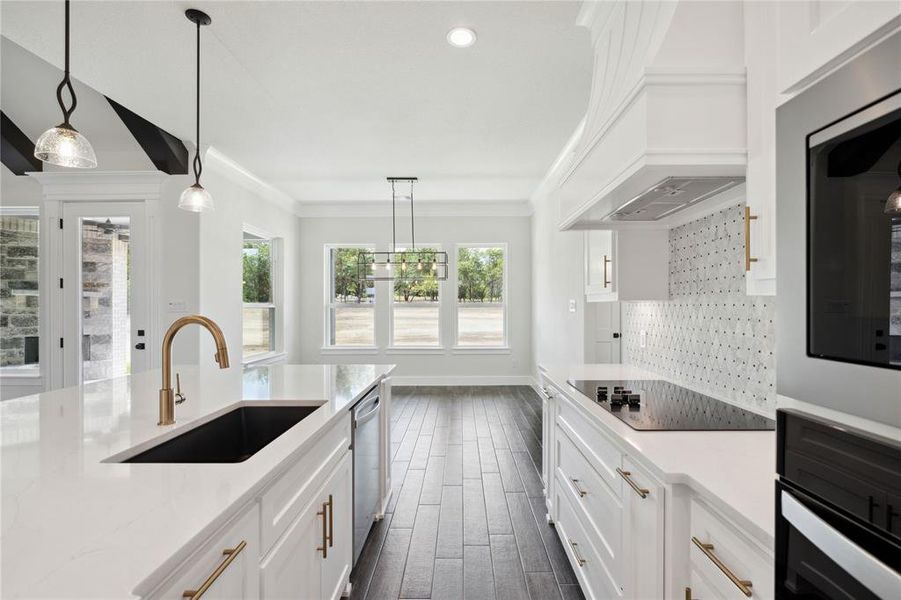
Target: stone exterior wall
19 298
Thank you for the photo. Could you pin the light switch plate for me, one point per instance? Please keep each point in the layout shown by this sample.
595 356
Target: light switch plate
572 306
177 306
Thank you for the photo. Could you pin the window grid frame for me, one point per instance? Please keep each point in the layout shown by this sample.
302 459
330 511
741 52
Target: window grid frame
472 348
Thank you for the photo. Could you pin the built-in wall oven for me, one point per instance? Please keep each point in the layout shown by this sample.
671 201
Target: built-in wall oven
838 511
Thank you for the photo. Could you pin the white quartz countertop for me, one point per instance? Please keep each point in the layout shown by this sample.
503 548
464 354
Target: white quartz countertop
74 525
733 470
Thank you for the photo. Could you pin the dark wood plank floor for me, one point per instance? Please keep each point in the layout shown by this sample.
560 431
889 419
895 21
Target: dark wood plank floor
467 516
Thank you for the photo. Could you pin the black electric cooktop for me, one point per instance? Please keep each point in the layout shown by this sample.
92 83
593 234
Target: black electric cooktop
656 405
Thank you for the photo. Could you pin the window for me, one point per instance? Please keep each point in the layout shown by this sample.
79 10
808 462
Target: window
19 291
416 304
259 293
481 296
350 304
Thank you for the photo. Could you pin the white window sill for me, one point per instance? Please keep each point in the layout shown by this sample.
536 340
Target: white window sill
481 350
349 350
415 350
266 358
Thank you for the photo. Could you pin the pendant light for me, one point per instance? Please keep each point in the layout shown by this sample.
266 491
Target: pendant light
394 265
63 145
195 198
893 204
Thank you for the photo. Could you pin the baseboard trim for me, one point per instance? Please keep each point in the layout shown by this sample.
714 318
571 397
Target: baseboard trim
452 380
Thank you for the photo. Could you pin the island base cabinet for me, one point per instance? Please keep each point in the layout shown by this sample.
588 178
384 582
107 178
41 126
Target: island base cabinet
312 560
643 517
226 567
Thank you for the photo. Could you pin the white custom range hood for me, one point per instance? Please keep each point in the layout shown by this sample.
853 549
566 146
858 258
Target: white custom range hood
666 127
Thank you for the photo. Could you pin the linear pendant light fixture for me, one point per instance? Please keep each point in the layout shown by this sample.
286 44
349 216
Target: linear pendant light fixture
196 198
405 265
63 145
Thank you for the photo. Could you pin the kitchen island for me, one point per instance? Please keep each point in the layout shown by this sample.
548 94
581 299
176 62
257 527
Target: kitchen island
78 523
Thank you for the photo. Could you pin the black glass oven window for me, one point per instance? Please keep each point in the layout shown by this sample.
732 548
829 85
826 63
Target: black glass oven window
854 247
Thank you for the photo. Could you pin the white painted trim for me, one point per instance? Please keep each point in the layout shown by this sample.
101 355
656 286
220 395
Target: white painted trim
505 348
349 350
481 350
369 209
455 380
20 211
416 350
234 172
100 186
267 358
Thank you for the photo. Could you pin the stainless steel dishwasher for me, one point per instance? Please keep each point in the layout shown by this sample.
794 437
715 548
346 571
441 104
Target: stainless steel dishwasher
365 443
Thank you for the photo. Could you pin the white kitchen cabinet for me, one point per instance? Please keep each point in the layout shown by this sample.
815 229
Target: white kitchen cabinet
226 566
626 264
643 521
313 558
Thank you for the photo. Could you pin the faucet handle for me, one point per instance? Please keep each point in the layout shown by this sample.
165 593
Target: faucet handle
179 397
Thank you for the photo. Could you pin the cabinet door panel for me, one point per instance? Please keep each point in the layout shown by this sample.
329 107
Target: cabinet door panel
336 567
643 533
293 567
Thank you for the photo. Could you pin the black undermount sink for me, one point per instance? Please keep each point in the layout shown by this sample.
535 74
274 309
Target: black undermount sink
233 437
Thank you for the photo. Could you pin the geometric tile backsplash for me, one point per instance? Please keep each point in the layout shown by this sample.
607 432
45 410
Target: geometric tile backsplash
710 336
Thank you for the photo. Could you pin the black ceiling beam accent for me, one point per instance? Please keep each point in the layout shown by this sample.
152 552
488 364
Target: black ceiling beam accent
16 150
165 151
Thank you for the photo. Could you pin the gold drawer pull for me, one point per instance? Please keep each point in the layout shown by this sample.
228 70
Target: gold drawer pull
581 561
742 584
323 513
582 493
231 554
331 522
688 594
606 262
627 475
748 218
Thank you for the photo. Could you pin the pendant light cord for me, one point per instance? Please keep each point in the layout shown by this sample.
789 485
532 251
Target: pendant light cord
66 82
198 164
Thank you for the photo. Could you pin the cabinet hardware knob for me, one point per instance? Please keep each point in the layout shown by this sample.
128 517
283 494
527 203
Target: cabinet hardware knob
582 493
322 513
581 561
742 584
627 475
748 218
230 555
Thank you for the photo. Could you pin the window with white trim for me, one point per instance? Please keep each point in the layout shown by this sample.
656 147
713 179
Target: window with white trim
19 305
482 296
416 301
350 303
260 322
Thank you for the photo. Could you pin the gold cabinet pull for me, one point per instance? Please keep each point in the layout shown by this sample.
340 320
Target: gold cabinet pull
331 522
606 261
581 561
742 584
627 475
688 593
230 555
748 218
322 513
582 493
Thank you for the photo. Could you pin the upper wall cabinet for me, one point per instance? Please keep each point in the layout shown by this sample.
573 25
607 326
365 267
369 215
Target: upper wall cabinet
626 265
816 36
666 123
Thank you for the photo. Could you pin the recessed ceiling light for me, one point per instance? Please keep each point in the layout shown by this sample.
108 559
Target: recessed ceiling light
461 37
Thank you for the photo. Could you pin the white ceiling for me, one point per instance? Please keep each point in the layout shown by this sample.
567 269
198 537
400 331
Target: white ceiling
324 99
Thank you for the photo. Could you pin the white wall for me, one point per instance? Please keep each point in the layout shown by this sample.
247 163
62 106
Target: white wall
558 276
240 200
446 367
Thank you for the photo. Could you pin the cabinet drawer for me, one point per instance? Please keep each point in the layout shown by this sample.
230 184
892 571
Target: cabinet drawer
701 589
735 551
593 573
285 498
601 509
240 579
600 450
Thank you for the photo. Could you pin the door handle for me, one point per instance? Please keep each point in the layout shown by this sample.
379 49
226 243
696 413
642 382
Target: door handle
616 335
140 346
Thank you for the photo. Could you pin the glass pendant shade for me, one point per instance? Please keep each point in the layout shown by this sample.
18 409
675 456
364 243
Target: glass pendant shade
64 146
196 199
893 204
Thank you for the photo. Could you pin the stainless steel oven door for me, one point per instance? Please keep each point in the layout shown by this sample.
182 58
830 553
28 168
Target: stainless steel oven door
823 553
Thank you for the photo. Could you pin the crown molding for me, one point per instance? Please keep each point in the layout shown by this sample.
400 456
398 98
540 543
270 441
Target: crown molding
99 185
219 163
370 208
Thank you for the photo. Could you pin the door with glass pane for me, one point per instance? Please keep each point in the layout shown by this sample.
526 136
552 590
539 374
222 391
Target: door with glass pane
105 291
